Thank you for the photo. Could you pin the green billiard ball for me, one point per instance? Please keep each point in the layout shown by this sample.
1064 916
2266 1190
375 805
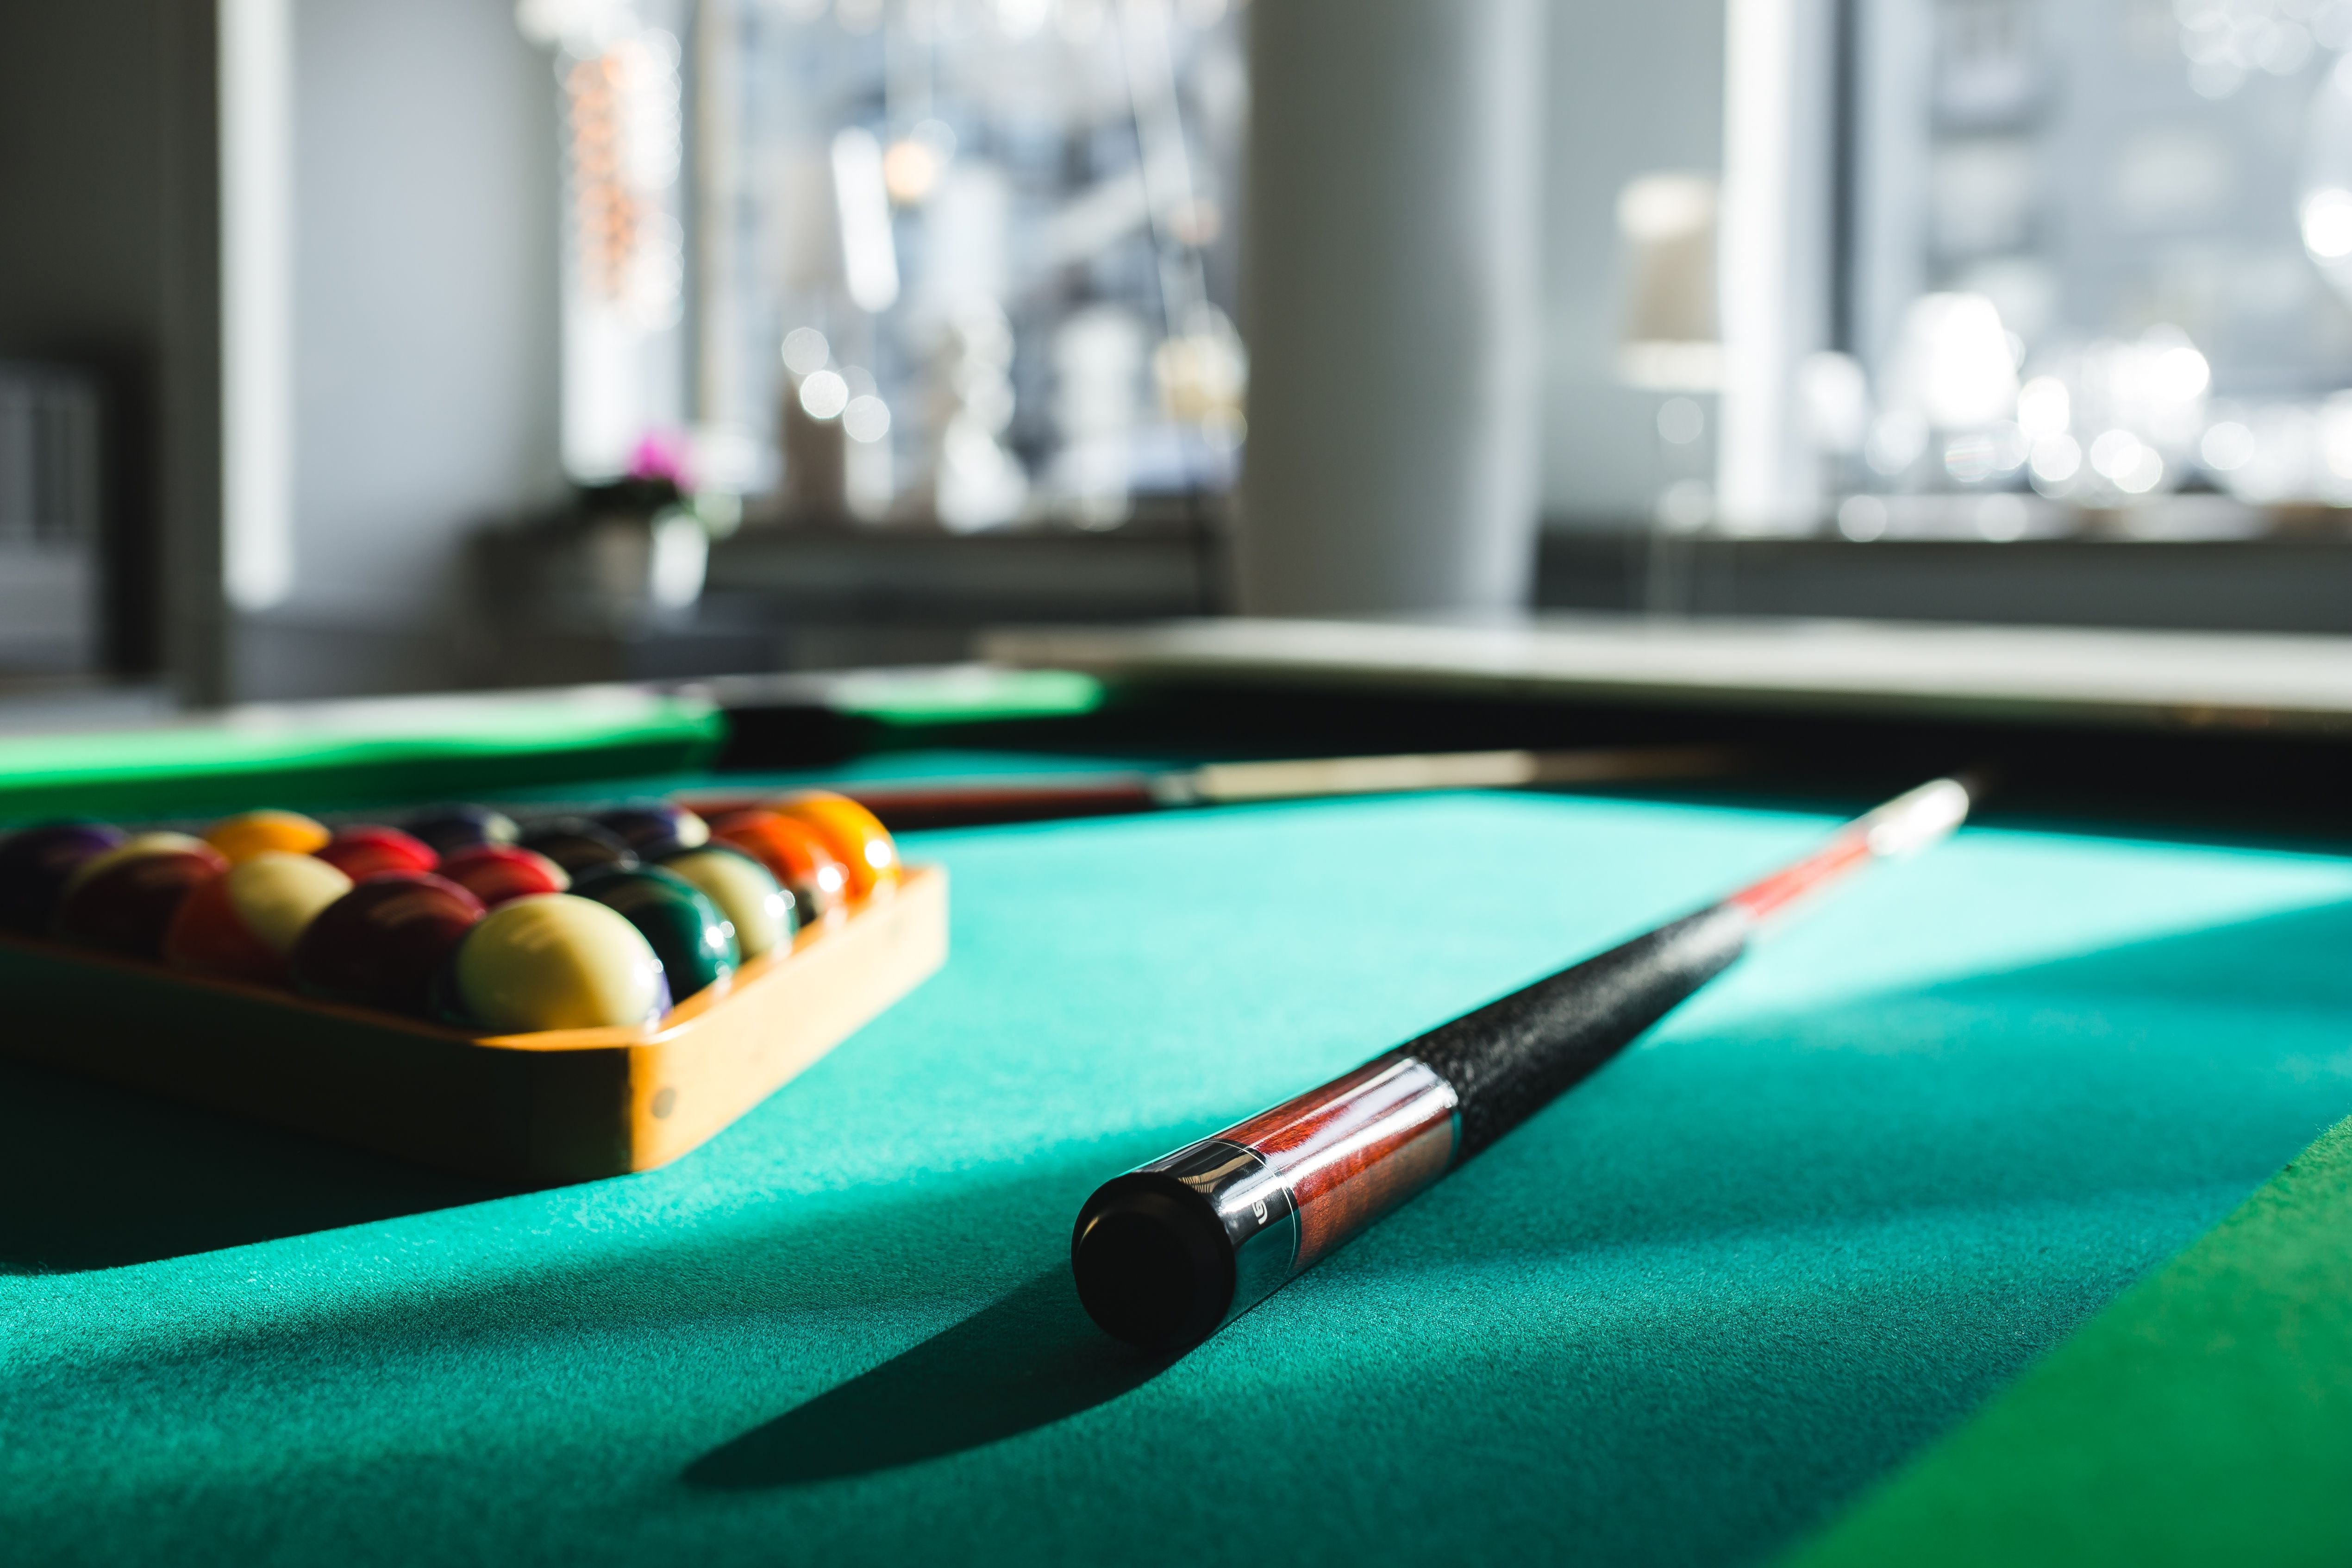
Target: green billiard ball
693 940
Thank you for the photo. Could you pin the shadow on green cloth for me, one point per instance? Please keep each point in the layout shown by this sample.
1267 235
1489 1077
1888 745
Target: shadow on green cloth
1608 1173
101 1177
1031 1360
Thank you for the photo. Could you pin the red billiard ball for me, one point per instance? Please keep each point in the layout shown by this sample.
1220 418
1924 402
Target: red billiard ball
366 852
243 923
123 901
380 944
497 874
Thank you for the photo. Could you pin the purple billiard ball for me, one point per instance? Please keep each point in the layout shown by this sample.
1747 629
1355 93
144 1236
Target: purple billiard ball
379 944
655 828
37 863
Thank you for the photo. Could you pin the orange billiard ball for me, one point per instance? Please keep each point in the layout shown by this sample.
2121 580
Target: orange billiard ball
857 837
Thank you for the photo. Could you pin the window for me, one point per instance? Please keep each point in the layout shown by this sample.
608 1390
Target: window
2094 256
966 263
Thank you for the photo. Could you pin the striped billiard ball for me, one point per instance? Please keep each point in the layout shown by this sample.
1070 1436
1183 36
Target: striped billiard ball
123 901
380 943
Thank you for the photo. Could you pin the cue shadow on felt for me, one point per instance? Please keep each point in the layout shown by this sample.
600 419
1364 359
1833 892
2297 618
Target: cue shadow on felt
1028 1361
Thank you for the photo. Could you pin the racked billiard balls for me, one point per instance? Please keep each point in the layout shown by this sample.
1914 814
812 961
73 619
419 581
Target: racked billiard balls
123 901
796 854
557 961
364 851
379 944
695 943
653 829
35 864
242 923
578 846
452 829
496 873
251 833
856 836
747 893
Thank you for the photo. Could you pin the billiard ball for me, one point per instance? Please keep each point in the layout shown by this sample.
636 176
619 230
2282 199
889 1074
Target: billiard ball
857 837
746 893
449 829
557 961
693 941
364 851
797 856
123 901
655 828
380 944
243 923
579 845
35 864
252 833
497 873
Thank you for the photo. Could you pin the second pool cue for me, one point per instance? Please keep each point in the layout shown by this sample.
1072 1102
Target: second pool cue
938 803
1168 1253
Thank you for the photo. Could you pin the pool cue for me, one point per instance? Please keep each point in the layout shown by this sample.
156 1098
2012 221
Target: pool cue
1035 797
1170 1253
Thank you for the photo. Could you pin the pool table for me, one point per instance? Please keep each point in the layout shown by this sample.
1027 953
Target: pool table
1991 1211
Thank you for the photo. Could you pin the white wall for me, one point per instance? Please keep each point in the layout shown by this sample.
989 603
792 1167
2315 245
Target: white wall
426 354
1635 88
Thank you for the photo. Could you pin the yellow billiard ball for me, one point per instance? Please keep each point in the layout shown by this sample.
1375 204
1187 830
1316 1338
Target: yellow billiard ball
555 960
251 833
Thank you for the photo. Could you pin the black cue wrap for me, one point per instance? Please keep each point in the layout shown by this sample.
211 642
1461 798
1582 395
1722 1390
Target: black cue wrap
1169 1252
1511 1058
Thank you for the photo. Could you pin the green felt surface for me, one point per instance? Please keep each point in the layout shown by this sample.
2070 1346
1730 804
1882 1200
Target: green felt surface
964 695
2206 1418
1686 1315
323 755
